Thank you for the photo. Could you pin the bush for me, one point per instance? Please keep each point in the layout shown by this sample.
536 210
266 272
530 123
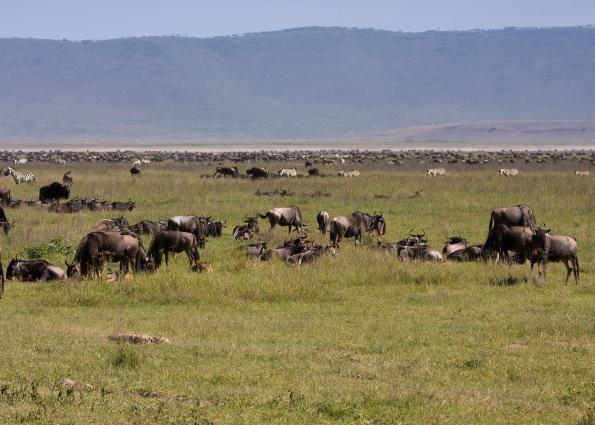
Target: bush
55 246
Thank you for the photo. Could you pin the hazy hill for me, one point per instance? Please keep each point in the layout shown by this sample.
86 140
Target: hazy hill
294 83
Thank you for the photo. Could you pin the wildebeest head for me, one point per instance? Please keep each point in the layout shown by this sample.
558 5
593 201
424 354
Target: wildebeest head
377 224
201 240
73 271
12 270
540 241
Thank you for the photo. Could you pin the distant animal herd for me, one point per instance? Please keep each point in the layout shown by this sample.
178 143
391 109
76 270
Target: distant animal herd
513 235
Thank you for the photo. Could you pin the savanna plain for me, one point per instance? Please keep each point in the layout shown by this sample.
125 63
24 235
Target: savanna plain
357 338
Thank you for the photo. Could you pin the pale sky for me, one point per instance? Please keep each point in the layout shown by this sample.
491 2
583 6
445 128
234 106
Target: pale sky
101 19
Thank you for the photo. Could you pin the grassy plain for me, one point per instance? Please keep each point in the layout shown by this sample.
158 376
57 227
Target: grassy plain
360 338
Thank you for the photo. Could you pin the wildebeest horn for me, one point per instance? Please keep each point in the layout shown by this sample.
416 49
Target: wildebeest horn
411 234
423 230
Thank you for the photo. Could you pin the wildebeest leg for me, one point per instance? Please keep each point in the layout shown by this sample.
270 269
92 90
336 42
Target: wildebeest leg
575 269
568 270
167 259
289 229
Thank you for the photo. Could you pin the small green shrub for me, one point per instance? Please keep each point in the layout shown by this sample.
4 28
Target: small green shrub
55 246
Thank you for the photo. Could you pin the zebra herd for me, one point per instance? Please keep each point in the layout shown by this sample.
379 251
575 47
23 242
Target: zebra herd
19 177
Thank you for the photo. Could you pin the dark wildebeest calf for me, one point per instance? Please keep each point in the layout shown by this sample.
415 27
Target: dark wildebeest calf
135 171
4 223
548 247
174 241
288 216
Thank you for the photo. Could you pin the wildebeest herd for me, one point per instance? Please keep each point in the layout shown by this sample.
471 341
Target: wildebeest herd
513 234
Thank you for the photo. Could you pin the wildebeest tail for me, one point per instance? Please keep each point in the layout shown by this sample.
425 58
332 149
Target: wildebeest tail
265 215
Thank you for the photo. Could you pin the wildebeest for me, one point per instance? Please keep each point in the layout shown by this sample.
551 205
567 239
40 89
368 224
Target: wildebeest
355 225
547 247
33 271
323 220
215 228
503 239
113 225
125 248
413 239
293 247
123 206
173 241
189 223
4 223
311 254
469 253
582 173
135 171
508 172
146 227
67 177
521 215
258 250
436 172
5 195
247 230
288 172
287 216
54 192
454 243
313 172
226 172
257 172
419 251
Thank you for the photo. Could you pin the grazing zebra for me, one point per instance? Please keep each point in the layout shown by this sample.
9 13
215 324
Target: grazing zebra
509 172
436 172
145 161
351 173
288 172
19 177
20 161
582 173
136 162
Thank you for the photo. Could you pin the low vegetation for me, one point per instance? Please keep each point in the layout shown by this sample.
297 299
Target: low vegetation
357 338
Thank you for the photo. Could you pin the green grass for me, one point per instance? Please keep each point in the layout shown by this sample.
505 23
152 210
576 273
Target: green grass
359 338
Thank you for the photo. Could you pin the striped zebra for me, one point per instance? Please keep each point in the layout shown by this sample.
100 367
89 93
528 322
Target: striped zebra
20 161
288 172
436 172
19 177
582 173
509 172
350 173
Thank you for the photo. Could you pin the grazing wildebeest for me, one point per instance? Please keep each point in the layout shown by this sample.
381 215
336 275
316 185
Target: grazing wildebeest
5 195
436 172
67 177
146 227
288 172
502 239
135 171
113 225
547 247
173 241
313 172
257 172
227 172
189 223
125 248
33 271
123 206
521 215
246 231
258 250
54 192
355 225
288 216
454 243
323 220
